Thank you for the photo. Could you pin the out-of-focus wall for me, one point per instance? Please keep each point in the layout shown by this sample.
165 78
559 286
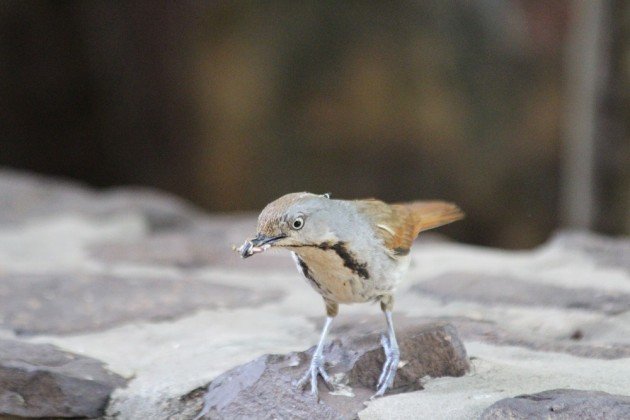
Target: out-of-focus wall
232 104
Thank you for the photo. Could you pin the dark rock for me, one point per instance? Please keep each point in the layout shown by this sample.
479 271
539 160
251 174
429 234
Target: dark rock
32 304
39 380
266 385
493 289
569 404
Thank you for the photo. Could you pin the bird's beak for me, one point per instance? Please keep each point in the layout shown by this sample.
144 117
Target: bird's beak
258 244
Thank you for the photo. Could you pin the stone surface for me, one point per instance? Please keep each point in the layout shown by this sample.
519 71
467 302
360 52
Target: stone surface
266 385
607 252
493 333
41 381
70 303
29 197
190 249
149 285
561 404
491 289
489 332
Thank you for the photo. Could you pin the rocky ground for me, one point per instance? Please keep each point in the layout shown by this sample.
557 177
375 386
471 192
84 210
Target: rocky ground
130 304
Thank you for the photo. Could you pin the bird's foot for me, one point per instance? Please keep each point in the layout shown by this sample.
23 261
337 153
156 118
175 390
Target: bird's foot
316 368
392 357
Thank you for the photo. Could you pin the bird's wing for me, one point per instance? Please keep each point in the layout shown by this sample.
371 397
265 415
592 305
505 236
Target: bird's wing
399 224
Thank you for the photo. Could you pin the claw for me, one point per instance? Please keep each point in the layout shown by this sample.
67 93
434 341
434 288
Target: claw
327 380
316 368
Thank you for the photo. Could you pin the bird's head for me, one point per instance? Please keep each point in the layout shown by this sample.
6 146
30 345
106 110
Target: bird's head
293 220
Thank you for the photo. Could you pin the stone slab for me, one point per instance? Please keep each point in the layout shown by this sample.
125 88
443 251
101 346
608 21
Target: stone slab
29 196
605 251
39 380
508 290
561 404
72 303
484 331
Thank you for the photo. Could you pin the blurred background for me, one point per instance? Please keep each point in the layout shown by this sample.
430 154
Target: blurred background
518 110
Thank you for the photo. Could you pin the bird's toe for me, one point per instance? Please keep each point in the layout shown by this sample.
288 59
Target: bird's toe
310 377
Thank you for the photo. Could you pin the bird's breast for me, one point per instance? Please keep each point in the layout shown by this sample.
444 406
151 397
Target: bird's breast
337 273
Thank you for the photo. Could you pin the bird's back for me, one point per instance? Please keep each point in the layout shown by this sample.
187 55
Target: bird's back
398 225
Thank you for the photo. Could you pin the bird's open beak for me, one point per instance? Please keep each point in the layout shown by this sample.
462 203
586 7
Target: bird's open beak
258 244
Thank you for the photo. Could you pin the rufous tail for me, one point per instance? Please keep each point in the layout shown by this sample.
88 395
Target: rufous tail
431 214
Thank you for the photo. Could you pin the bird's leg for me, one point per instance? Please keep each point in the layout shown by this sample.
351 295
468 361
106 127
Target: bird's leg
392 357
317 363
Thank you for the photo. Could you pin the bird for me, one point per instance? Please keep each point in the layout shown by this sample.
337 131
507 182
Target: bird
349 251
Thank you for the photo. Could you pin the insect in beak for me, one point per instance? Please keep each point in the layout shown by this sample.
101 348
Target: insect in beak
258 244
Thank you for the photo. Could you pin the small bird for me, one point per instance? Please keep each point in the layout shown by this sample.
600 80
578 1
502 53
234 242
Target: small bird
349 251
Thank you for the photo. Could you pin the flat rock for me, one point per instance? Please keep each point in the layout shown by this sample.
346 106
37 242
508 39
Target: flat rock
569 404
490 332
34 196
507 290
39 380
605 251
484 331
266 385
71 303
206 246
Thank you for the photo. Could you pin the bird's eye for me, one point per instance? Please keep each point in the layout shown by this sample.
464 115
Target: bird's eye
298 223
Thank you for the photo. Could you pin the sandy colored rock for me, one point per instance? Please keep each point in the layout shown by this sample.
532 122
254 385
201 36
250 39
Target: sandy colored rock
561 404
484 331
492 289
492 333
606 251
